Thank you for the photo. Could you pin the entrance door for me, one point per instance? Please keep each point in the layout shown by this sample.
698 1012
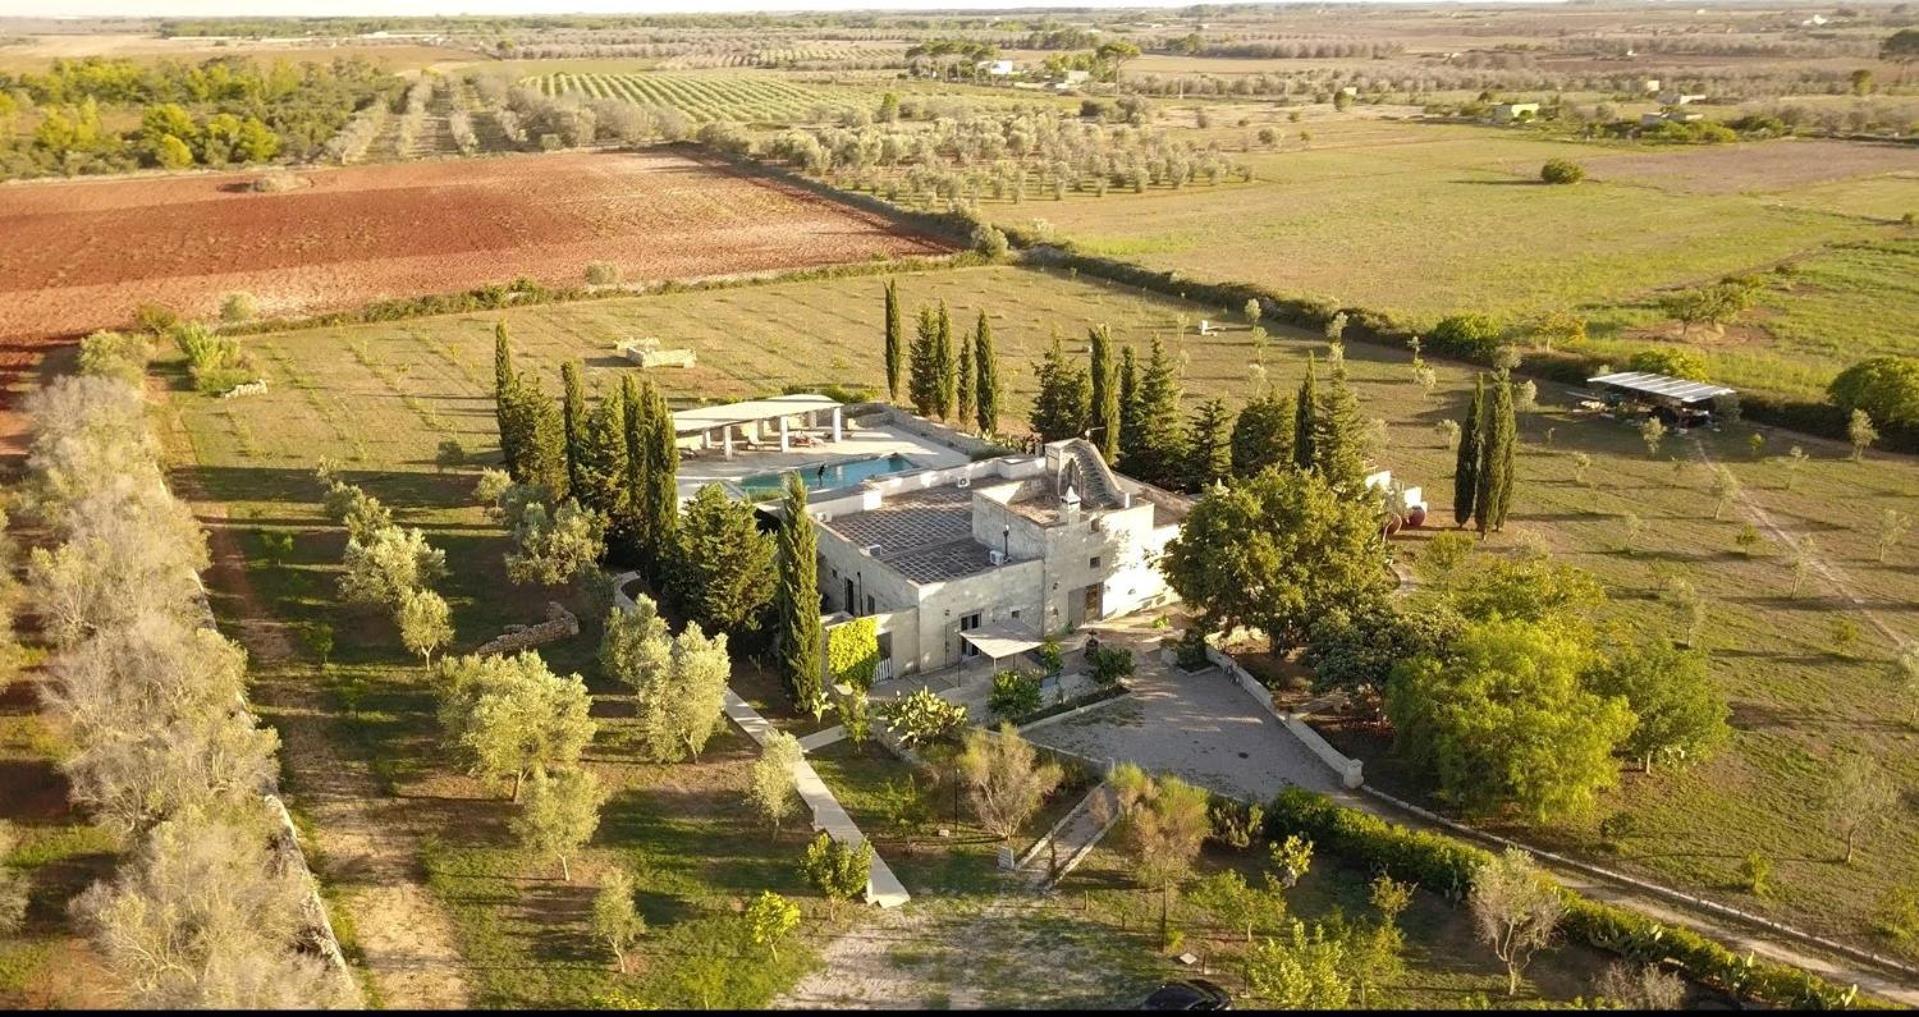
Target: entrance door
1092 603
852 606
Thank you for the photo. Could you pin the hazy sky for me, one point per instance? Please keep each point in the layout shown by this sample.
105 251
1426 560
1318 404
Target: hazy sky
145 8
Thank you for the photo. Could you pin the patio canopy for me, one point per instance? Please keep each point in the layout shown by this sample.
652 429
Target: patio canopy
1002 639
699 419
1661 386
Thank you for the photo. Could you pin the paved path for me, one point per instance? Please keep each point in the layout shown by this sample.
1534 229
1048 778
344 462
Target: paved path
1203 727
882 887
1072 838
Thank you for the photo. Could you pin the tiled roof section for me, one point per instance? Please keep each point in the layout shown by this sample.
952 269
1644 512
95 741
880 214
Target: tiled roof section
909 521
950 560
926 535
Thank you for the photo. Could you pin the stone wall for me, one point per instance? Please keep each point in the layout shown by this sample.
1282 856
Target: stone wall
559 624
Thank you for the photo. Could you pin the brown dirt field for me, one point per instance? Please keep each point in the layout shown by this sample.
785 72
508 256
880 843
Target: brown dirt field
1769 167
81 255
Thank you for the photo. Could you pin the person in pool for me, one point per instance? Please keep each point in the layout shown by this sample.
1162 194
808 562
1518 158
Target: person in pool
820 474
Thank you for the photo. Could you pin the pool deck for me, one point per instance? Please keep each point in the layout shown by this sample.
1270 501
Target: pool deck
856 442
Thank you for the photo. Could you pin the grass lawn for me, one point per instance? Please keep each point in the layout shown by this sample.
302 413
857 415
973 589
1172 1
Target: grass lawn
380 397
1424 220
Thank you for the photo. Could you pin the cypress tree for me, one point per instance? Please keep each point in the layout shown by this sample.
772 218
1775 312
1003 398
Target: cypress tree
504 382
1496 459
892 341
798 602
1466 458
1128 404
948 372
922 368
1210 458
600 466
661 503
573 418
1059 411
628 524
1263 435
964 409
543 459
986 390
1340 439
1306 418
1162 427
1104 420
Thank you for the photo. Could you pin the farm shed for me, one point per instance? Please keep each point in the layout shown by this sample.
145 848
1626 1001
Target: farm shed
1675 400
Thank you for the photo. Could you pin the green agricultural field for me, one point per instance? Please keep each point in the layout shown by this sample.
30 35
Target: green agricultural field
752 96
1421 220
379 398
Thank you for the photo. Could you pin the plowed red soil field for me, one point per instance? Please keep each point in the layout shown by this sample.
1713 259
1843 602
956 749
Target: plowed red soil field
77 256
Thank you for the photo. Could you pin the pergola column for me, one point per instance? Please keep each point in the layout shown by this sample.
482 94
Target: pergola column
726 436
783 436
836 424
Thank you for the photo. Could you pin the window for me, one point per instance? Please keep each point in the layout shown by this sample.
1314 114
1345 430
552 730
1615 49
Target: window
1094 563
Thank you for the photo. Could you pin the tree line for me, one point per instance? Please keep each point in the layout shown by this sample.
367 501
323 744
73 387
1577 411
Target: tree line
203 911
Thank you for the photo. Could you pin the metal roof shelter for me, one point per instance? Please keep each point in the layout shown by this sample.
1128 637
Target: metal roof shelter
753 413
1660 386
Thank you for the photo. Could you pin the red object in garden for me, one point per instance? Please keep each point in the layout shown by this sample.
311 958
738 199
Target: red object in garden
1416 518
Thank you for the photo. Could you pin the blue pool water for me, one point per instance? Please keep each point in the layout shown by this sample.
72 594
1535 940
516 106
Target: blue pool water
846 474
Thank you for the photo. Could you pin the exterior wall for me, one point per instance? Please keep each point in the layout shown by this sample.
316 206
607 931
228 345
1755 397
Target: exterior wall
1127 546
996 594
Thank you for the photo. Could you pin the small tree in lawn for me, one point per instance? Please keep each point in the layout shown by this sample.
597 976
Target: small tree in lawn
510 715
1005 781
1803 558
922 718
1681 713
772 790
1165 825
1859 797
561 812
1239 904
1861 433
389 564
1516 909
1652 431
1302 970
616 922
770 919
1906 671
1725 487
426 623
1292 857
838 871
1795 459
13 884
1893 525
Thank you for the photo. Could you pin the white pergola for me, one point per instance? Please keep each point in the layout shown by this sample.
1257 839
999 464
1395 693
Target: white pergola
703 421
1002 639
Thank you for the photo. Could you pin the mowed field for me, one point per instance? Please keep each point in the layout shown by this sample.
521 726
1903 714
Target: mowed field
84 255
1425 220
379 398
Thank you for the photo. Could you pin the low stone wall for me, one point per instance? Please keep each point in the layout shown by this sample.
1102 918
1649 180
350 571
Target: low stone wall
937 433
559 624
1351 771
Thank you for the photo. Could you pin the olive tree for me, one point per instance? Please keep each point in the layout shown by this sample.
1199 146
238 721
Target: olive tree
559 815
1516 909
509 715
771 789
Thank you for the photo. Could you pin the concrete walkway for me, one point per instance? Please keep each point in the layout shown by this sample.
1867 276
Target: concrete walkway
882 886
1072 838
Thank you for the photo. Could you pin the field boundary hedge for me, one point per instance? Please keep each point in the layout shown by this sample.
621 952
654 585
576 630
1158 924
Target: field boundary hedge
1447 865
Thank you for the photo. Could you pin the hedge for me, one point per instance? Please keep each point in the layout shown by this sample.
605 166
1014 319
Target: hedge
1447 865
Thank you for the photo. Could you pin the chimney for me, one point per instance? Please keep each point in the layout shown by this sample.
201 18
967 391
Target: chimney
1069 504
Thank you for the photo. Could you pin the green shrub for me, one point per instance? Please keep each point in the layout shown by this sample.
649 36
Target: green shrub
1015 695
1475 337
1674 361
1052 659
853 652
1190 651
1110 664
1562 171
1887 388
216 363
120 355
238 307
602 273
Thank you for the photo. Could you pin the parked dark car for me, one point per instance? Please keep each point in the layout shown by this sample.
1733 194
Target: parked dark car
1192 994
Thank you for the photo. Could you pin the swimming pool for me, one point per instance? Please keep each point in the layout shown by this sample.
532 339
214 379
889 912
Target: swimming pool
759 486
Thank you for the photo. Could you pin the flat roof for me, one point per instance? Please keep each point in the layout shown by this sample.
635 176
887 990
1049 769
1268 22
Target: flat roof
1664 386
705 418
926 536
